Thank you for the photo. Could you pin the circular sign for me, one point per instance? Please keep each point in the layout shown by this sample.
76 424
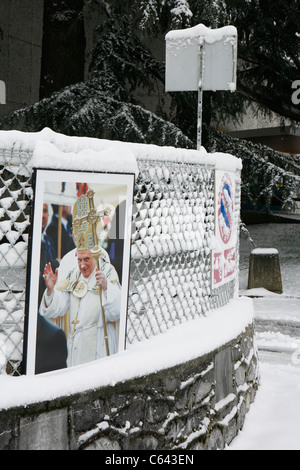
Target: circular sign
225 209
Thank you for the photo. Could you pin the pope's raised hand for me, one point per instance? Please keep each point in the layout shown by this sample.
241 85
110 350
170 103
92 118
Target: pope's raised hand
50 278
101 280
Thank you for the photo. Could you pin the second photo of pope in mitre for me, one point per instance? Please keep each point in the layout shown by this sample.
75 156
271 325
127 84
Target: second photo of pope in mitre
87 288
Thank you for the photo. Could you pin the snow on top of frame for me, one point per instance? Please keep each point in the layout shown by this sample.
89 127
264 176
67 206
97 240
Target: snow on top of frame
210 35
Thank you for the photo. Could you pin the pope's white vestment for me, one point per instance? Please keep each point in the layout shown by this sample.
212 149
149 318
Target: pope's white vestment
86 336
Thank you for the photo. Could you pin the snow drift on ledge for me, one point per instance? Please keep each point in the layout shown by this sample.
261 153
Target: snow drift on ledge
157 353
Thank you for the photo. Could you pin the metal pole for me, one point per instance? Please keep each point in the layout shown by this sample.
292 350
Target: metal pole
199 123
200 94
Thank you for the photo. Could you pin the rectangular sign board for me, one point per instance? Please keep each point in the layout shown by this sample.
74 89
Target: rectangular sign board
201 58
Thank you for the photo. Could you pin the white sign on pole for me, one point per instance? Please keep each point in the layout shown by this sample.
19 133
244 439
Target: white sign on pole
201 59
214 49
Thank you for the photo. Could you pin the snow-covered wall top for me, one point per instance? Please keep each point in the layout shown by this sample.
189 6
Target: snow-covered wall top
138 360
53 150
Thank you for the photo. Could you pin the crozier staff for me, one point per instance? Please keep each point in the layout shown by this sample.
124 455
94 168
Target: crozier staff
77 291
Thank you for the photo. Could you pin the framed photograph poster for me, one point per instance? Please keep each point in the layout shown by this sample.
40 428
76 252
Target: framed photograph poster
78 268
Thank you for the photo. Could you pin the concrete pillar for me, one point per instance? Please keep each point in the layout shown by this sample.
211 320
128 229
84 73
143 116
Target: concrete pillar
47 431
264 270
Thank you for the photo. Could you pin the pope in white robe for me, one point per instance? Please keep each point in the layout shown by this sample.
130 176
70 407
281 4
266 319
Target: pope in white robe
76 290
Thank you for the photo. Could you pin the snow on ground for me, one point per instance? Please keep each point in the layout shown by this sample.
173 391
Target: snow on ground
273 422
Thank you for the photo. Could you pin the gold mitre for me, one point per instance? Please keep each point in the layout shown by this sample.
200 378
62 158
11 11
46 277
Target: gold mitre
85 220
83 224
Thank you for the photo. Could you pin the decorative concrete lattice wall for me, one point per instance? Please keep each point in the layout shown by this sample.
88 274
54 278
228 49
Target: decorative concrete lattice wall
198 403
174 223
173 227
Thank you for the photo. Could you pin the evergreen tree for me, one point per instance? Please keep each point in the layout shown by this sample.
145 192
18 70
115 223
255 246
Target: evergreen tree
63 50
269 51
109 104
269 178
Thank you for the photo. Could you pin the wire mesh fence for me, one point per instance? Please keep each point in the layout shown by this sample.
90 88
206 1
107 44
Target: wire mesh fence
15 197
170 271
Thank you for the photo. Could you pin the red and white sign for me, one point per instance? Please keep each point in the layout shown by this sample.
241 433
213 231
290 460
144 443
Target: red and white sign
224 257
225 208
229 262
218 273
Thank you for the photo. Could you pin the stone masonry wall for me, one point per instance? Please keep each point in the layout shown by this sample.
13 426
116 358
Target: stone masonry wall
198 405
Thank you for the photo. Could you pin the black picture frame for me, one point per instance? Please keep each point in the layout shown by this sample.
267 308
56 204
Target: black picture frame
46 342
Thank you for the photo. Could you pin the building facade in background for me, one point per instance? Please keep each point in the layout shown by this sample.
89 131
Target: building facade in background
36 45
21 34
